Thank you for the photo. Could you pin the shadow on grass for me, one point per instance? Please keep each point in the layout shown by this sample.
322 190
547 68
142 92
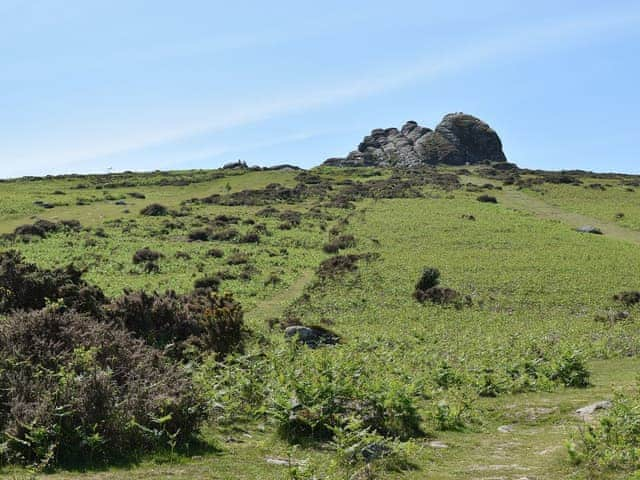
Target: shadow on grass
198 447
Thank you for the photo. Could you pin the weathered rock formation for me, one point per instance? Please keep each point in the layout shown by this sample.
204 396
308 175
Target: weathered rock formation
459 139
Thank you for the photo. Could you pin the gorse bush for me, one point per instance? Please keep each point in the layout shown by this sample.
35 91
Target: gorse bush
77 390
146 255
25 286
183 324
154 210
430 278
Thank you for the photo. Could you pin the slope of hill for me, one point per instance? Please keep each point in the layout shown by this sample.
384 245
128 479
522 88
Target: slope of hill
357 360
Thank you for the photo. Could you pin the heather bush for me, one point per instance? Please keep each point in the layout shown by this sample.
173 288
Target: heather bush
25 286
181 324
77 390
146 255
154 210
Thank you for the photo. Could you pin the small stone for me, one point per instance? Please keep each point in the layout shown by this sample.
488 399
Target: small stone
438 444
589 229
587 411
289 462
505 429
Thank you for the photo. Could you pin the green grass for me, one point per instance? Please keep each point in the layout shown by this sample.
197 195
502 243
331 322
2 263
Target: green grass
536 286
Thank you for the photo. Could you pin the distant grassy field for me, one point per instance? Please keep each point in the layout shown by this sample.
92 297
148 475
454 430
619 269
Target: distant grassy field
504 354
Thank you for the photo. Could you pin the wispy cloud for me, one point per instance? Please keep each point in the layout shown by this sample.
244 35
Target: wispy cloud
507 46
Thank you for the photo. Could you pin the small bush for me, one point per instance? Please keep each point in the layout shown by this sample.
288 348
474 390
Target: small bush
207 283
215 253
146 255
331 247
571 371
291 216
430 278
487 199
198 236
337 265
628 298
31 230
251 237
439 295
224 235
154 210
238 258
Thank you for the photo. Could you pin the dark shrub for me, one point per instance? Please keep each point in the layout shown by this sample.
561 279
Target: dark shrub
25 286
207 283
430 278
238 258
215 253
338 265
183 256
154 210
487 199
138 195
225 219
32 230
224 235
439 295
199 236
71 225
203 320
291 216
346 241
331 247
628 298
251 237
78 391
268 212
146 255
47 226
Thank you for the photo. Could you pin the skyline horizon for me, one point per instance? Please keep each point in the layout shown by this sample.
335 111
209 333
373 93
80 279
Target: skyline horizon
139 85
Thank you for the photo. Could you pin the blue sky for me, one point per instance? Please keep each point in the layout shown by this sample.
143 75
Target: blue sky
140 85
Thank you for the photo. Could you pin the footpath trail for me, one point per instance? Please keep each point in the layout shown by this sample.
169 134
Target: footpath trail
512 198
275 306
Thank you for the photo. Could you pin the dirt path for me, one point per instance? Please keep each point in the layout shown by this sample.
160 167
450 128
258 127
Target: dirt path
274 306
518 200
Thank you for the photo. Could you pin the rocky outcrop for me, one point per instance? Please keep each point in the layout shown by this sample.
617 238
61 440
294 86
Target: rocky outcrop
459 139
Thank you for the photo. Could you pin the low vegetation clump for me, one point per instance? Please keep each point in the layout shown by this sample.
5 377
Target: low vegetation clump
154 210
146 255
628 297
612 444
428 289
25 286
338 265
487 199
80 391
339 243
182 325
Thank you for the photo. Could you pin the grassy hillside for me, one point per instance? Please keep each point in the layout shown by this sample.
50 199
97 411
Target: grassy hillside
481 384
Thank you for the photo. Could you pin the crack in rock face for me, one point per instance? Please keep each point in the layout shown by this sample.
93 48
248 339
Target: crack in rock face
459 139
